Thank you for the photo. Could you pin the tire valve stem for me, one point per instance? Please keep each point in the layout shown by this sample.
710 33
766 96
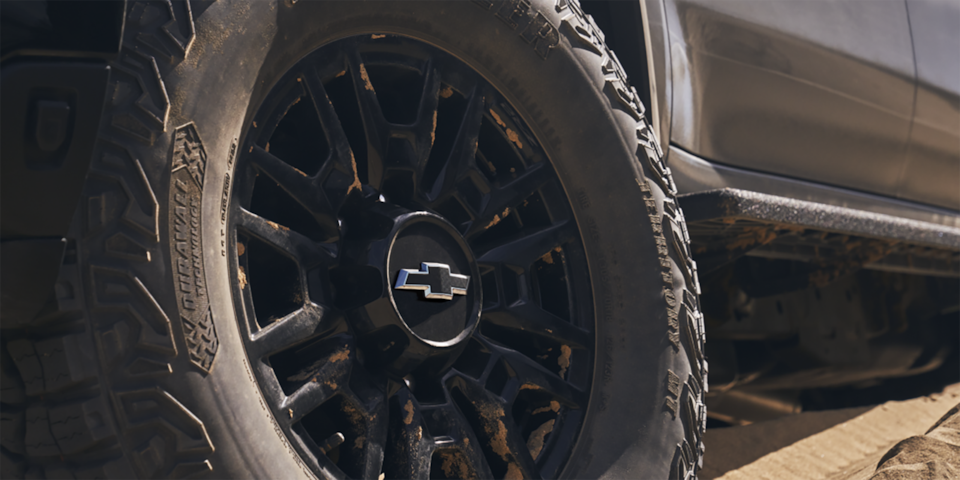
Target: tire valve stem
331 442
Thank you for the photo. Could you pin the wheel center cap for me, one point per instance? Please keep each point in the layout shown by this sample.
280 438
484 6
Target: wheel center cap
412 287
430 272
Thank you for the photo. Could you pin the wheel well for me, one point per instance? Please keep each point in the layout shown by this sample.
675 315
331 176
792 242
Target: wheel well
622 25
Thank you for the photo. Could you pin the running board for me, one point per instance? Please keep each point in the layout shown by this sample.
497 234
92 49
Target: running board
726 224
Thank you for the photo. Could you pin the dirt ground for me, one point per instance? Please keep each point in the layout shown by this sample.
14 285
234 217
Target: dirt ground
917 439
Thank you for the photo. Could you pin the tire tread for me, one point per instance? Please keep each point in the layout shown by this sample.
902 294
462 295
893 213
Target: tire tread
66 374
685 321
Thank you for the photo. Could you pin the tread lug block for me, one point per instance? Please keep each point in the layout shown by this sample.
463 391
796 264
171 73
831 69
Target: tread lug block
11 385
583 27
67 289
30 268
25 357
118 468
683 252
11 465
146 217
649 148
34 473
156 411
165 27
150 461
121 246
692 423
139 97
66 361
115 343
150 456
190 469
46 366
616 80
145 368
651 145
140 209
78 427
118 291
681 468
12 429
57 472
39 440
692 343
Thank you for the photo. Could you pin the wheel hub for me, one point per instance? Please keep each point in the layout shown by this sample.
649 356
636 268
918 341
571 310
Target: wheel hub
418 298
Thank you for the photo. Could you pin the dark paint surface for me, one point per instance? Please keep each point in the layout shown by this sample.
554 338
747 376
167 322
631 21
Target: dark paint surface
932 170
819 91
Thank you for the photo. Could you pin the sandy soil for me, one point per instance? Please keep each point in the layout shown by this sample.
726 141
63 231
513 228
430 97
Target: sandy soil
893 441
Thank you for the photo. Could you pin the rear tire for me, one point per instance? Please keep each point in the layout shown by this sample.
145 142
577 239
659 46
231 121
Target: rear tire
143 367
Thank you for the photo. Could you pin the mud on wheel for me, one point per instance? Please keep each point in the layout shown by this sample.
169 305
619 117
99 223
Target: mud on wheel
362 240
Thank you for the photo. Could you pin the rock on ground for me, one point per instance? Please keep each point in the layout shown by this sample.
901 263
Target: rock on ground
863 444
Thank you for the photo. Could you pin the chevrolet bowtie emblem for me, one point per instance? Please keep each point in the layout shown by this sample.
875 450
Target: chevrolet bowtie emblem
435 280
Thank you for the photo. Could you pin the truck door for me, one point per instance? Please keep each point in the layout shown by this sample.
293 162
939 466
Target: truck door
932 171
820 90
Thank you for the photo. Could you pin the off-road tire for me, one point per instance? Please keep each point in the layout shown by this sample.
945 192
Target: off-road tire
120 378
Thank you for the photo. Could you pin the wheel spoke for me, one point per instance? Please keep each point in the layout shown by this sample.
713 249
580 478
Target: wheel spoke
302 324
532 375
305 251
522 252
463 154
426 126
509 196
418 138
409 444
329 120
295 182
321 463
293 92
320 381
310 396
454 434
375 126
364 453
303 189
502 439
527 318
376 439
341 161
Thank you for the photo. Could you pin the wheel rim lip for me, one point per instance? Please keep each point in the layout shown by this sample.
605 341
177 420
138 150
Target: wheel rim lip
473 318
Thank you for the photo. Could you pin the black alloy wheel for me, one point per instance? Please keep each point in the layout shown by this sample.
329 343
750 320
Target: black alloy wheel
378 156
